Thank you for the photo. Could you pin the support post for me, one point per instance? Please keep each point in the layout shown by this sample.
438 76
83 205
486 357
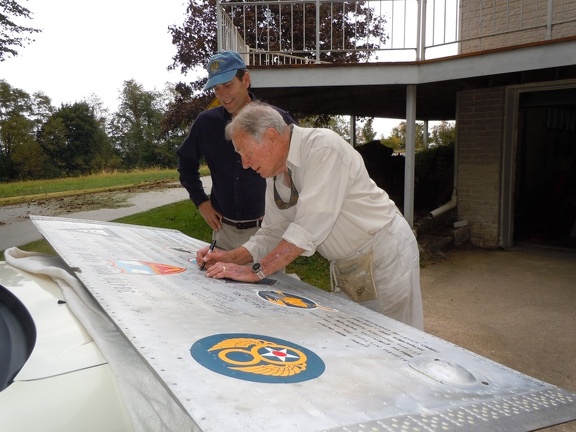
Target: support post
410 154
219 36
353 131
317 31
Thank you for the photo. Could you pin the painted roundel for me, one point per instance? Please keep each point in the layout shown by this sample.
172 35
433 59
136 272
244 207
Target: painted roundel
287 299
257 358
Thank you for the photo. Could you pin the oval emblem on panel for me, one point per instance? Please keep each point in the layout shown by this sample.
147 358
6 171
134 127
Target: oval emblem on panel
257 358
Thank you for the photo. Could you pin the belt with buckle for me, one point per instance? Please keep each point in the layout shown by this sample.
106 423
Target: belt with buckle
242 225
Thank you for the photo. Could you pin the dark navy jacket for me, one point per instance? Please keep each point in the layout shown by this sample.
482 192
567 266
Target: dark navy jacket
237 193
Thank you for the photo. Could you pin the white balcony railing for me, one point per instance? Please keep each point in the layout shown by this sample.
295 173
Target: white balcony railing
305 31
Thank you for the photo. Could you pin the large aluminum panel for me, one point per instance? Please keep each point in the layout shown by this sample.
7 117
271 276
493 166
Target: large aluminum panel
283 355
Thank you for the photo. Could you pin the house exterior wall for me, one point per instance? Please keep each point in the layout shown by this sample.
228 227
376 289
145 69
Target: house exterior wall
490 24
480 131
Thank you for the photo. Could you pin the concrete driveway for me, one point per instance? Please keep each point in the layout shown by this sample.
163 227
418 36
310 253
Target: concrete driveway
515 306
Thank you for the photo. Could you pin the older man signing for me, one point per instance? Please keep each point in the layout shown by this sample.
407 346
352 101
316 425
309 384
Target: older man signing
319 197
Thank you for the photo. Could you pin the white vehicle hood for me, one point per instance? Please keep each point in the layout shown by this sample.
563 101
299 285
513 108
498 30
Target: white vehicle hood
62 345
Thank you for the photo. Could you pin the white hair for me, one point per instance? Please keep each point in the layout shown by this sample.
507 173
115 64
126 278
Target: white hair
254 119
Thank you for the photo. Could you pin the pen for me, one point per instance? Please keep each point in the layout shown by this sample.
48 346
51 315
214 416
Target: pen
210 249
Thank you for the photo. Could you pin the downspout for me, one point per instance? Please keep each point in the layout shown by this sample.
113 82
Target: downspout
454 198
445 207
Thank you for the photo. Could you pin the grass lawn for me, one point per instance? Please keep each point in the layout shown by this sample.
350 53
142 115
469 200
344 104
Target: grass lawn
25 191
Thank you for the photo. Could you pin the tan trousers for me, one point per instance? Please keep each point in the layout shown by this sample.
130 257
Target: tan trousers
228 237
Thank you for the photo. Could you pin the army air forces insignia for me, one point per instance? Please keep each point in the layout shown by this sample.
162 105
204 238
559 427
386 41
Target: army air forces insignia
257 358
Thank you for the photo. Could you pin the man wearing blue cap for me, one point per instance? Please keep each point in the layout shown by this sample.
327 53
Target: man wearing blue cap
235 206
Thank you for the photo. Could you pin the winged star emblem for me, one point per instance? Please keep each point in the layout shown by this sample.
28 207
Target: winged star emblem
259 356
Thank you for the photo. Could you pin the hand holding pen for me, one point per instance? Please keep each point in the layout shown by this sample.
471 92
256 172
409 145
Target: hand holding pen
210 249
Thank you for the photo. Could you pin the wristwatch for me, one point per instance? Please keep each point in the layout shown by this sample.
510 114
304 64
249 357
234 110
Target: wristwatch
257 270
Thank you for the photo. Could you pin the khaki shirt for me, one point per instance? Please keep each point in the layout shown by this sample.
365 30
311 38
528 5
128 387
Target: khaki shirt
339 208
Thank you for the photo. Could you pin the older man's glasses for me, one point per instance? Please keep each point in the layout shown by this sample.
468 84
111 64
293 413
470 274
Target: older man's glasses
280 203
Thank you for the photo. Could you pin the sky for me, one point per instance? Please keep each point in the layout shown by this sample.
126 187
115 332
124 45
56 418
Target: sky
91 47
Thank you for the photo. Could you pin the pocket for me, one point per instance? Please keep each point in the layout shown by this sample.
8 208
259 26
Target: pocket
354 277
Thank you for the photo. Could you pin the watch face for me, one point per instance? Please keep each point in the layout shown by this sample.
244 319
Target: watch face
256 267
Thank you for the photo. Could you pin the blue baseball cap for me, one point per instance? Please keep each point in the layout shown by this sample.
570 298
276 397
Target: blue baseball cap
222 67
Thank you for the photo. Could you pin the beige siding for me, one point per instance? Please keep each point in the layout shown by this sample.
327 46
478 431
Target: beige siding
490 24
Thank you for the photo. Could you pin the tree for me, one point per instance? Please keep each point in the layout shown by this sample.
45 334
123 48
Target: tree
367 132
74 140
348 31
30 162
42 109
15 131
13 35
20 118
394 142
341 125
101 112
400 133
443 134
196 41
135 129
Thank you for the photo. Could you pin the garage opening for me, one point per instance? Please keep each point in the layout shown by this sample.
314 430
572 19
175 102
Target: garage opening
545 183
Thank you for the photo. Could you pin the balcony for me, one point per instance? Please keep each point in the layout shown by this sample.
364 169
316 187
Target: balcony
288 32
357 58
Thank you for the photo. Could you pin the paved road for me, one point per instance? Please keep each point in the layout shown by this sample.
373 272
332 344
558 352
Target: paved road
16 229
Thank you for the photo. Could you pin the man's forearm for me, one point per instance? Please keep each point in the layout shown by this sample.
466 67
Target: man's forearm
280 257
240 256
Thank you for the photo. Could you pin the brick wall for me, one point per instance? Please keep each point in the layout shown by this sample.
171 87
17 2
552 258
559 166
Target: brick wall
489 24
480 122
